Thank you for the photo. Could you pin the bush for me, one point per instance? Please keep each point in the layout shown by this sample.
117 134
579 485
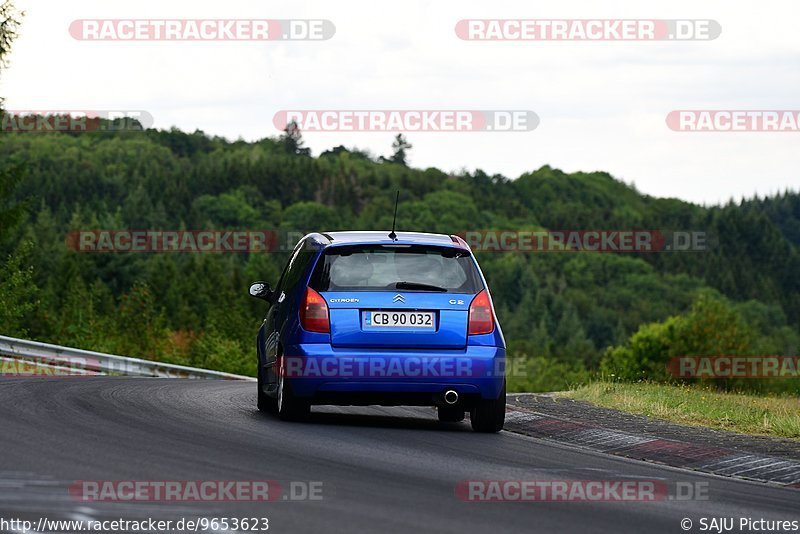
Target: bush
713 327
212 351
540 374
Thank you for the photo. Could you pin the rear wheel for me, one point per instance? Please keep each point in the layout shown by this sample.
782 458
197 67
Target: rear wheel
489 415
290 408
449 414
265 402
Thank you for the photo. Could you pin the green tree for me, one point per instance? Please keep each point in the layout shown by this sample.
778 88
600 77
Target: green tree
400 148
11 211
712 327
559 310
10 20
311 216
292 140
17 293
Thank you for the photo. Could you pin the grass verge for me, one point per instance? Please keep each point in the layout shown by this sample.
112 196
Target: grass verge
698 406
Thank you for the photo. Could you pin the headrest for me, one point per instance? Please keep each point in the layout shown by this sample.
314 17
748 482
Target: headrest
349 271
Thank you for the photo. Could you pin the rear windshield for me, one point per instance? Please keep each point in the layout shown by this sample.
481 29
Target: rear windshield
395 267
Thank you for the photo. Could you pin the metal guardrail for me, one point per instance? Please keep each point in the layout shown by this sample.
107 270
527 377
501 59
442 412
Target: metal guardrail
23 356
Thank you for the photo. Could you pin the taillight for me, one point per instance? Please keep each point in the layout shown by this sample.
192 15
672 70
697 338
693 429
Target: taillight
314 312
481 319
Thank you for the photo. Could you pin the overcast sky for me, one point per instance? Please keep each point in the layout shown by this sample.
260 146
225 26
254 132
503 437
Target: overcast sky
602 105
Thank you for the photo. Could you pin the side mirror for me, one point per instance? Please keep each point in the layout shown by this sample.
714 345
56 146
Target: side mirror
261 290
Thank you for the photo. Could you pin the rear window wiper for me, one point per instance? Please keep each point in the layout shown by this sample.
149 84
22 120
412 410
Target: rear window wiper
421 287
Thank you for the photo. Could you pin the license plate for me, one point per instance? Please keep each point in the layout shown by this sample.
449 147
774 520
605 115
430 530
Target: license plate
377 319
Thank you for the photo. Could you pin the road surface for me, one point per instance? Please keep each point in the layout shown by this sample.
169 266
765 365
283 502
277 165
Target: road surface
381 469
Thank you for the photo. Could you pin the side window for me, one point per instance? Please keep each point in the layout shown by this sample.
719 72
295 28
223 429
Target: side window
282 280
279 287
297 267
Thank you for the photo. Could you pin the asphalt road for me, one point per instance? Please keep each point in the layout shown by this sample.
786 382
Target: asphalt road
382 470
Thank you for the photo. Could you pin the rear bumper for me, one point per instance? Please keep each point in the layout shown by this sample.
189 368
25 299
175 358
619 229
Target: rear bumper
393 376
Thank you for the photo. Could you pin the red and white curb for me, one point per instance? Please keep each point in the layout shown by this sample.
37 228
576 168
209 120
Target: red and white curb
704 458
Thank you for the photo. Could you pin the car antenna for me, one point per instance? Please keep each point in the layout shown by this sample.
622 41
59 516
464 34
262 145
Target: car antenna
392 235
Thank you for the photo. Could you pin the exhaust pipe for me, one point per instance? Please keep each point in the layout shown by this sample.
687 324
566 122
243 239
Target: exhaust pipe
450 396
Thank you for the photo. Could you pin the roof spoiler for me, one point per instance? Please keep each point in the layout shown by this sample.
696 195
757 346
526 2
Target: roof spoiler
459 241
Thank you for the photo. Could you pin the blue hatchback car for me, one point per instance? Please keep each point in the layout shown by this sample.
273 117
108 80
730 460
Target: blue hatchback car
371 318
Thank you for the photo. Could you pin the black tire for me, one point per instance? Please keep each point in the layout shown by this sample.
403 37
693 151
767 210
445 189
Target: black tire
489 415
265 402
289 407
449 414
